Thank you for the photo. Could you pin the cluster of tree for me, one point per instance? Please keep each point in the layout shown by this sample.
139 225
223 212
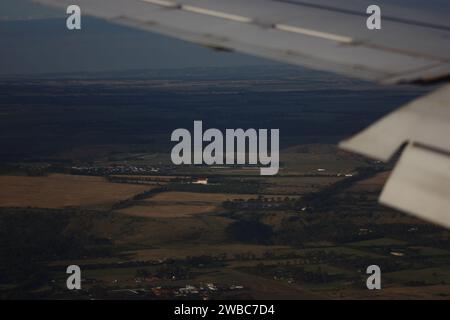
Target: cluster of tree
140 196
261 203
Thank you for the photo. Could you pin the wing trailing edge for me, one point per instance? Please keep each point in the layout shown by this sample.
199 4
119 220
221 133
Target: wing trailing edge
420 182
420 185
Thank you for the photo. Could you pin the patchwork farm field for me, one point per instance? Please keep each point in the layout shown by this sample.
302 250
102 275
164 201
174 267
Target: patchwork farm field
128 235
62 190
140 227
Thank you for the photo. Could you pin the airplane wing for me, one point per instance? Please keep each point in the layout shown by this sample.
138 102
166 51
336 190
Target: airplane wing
318 34
420 183
413 46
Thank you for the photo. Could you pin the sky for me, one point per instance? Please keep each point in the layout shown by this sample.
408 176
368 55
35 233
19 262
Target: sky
35 40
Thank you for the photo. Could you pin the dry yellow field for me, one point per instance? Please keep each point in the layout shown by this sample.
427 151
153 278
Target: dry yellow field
61 190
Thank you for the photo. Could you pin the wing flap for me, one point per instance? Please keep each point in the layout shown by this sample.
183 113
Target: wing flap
420 185
424 121
420 182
